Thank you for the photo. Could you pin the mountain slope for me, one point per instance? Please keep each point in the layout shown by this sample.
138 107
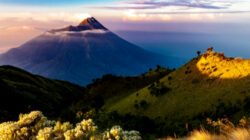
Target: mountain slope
110 88
208 86
80 53
23 92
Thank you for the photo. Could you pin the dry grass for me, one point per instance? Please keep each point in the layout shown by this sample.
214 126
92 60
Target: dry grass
226 129
236 134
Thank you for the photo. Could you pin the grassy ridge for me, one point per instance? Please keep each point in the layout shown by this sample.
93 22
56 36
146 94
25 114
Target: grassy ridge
210 85
114 88
110 89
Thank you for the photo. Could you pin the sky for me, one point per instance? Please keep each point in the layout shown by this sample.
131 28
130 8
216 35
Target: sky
21 20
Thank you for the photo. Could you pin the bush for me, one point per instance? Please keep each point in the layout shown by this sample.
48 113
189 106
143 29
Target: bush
158 89
136 106
144 104
238 59
36 126
170 78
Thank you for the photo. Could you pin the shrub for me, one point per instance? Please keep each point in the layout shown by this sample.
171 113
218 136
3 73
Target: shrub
158 89
36 126
229 58
221 56
158 67
144 104
205 55
170 78
238 59
136 106
117 133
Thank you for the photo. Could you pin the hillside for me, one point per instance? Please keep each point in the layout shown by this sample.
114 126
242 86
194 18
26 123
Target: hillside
210 85
23 92
110 89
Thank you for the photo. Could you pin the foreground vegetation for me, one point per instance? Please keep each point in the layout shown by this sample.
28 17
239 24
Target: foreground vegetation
222 129
36 126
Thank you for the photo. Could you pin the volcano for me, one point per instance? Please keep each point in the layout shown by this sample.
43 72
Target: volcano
80 53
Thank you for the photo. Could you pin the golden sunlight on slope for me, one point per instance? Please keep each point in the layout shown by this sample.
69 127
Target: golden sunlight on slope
198 87
216 65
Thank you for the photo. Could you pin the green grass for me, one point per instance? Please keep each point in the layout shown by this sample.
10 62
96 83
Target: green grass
114 88
193 95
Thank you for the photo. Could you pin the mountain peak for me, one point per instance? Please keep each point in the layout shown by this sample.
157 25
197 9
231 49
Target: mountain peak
89 23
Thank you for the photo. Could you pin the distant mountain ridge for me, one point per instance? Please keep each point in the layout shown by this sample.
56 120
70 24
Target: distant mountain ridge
80 53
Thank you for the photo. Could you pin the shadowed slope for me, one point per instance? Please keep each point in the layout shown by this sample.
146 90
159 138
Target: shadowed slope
22 92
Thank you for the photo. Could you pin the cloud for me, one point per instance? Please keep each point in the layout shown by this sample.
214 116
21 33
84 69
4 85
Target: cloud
179 10
156 4
178 3
42 2
66 33
19 28
45 17
201 12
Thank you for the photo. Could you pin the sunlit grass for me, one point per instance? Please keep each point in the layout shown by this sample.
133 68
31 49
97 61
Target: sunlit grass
194 90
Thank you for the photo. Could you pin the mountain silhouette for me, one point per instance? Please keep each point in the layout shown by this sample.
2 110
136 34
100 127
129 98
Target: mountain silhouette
80 53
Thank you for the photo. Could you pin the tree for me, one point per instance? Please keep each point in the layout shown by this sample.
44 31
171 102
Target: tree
198 53
158 66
